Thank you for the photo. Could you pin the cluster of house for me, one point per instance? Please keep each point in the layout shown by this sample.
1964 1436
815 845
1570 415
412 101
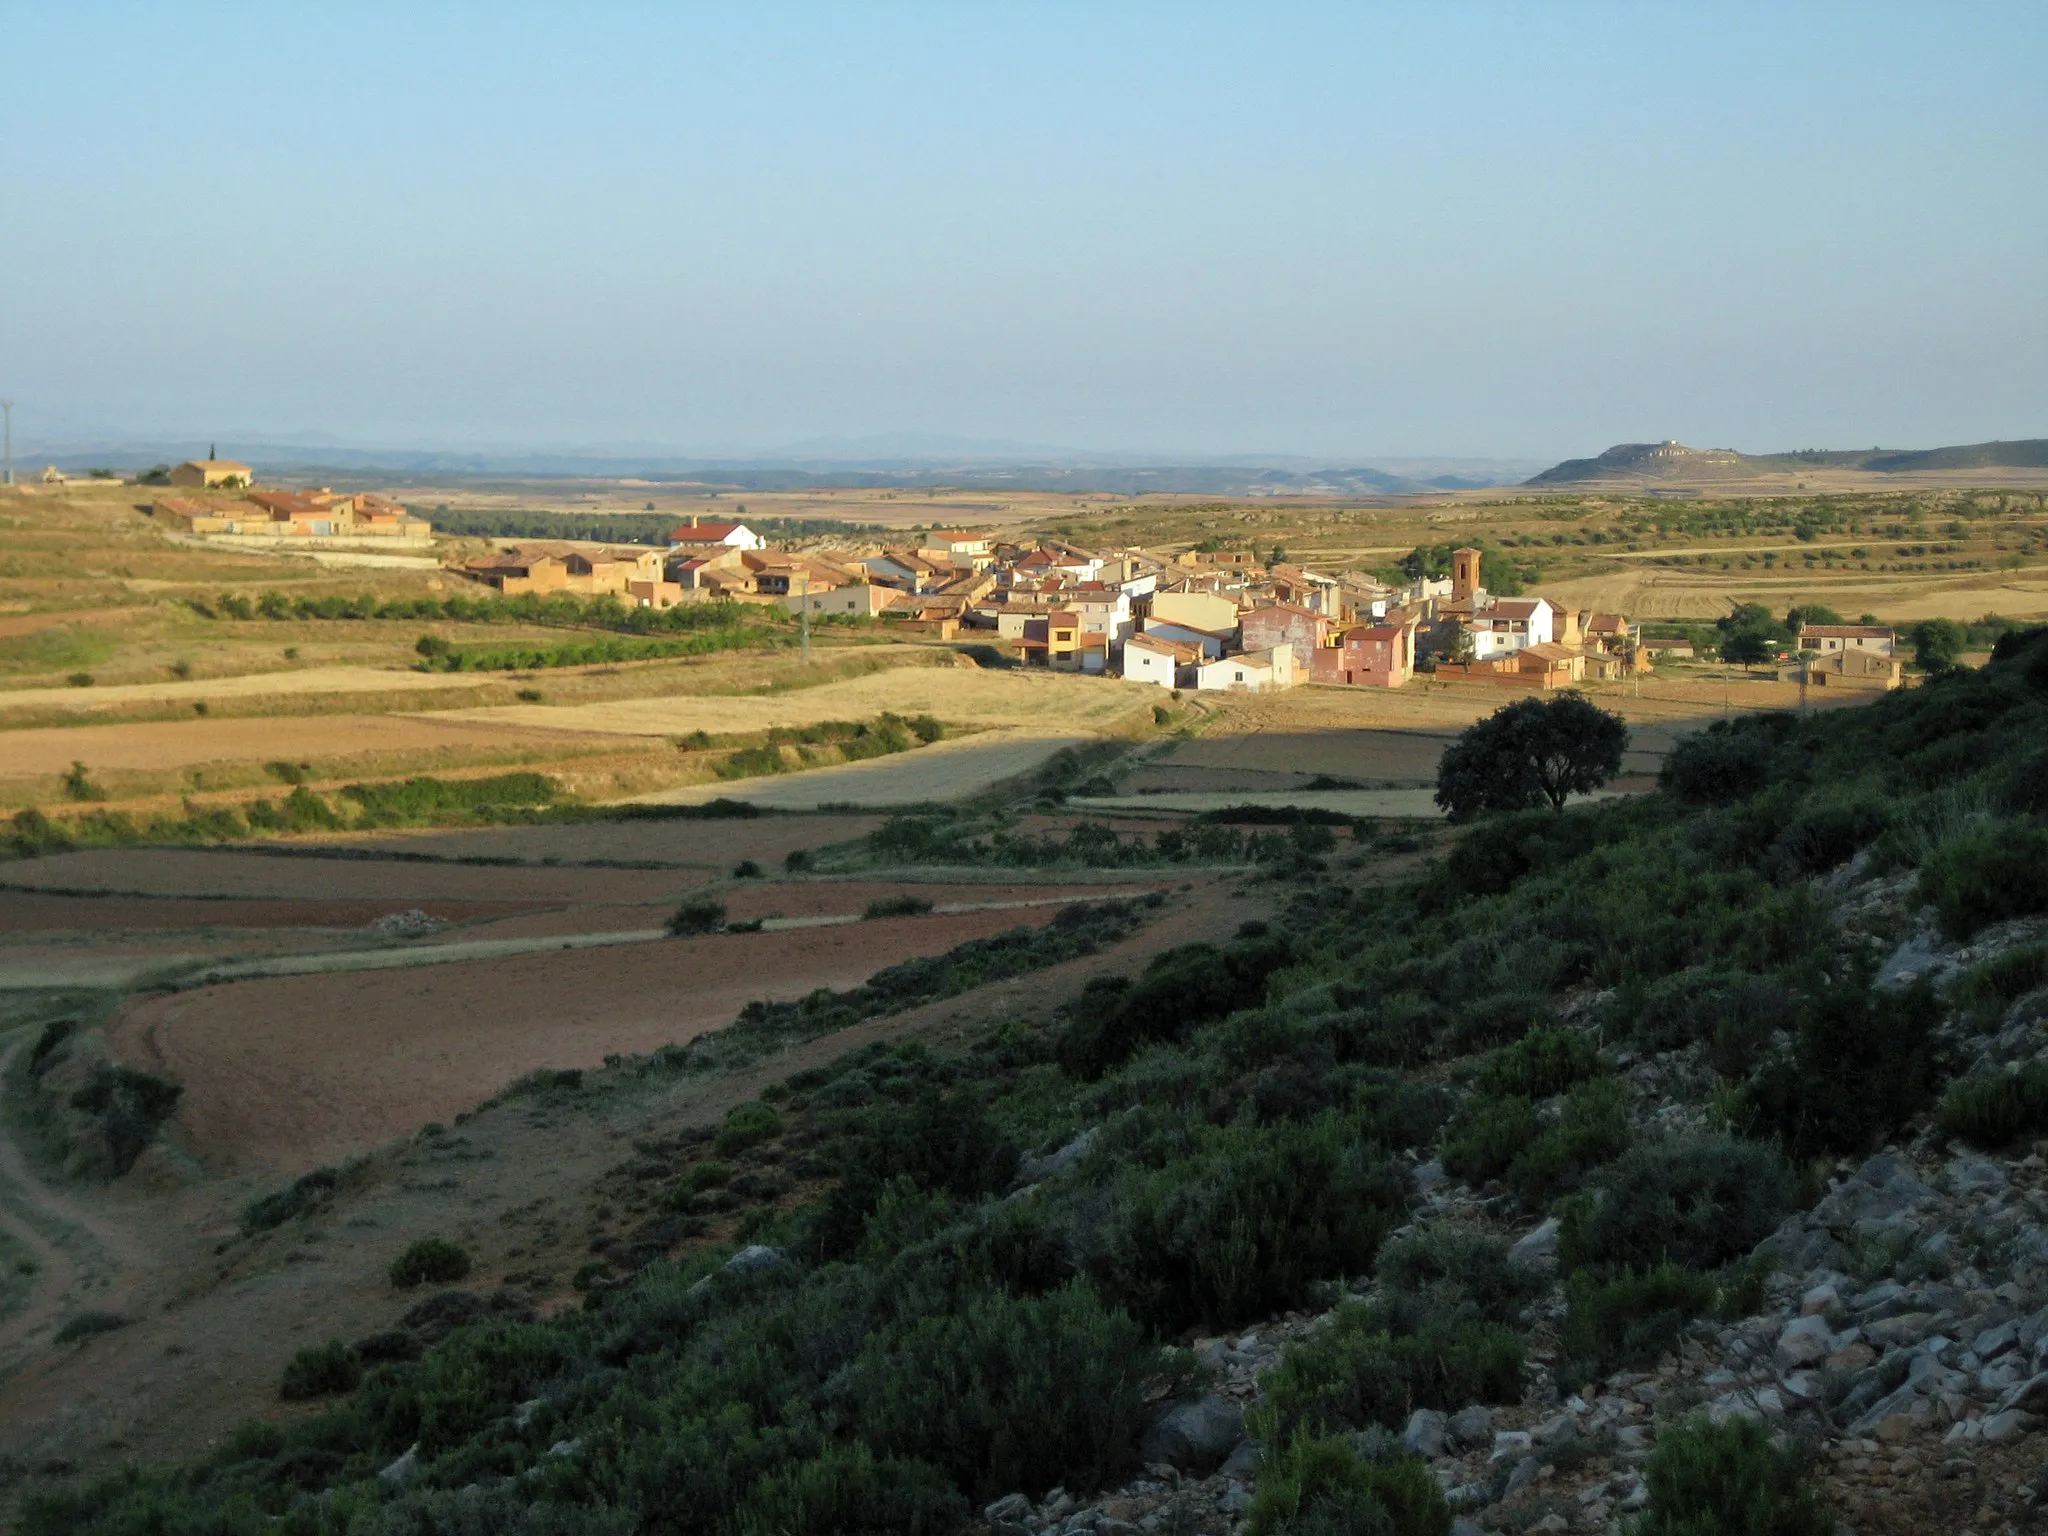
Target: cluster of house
1201 620
312 514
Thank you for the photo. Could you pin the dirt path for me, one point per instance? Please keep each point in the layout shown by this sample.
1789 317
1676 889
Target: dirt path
81 1256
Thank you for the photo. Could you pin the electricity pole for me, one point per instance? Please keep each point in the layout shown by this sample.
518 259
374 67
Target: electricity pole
804 610
7 455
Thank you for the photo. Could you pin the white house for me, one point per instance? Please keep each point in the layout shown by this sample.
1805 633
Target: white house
1254 671
1874 639
1208 642
1511 624
701 536
1167 663
862 599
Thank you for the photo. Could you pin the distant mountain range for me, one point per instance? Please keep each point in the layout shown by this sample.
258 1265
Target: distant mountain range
899 460
1673 460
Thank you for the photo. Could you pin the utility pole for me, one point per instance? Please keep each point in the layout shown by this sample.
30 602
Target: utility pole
804 610
7 455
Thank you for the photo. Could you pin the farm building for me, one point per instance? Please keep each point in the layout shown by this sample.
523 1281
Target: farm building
207 474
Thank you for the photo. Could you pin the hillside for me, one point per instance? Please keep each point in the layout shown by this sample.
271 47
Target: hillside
1673 460
1455 1189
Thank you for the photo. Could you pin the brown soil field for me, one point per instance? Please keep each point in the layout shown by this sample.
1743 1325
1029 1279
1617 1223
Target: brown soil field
31 912
1901 598
227 872
160 744
517 1185
288 1073
765 839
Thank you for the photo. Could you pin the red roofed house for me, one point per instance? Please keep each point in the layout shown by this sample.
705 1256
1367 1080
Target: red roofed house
1369 656
709 536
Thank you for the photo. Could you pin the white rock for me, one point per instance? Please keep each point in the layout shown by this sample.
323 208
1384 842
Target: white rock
1537 1248
1806 1340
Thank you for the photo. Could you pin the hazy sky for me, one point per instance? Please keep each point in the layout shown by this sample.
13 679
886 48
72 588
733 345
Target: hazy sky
1345 230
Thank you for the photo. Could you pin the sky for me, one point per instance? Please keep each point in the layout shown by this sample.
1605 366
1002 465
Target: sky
1344 231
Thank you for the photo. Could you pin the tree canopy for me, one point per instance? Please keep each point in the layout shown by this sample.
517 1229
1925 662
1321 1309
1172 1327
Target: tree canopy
1938 644
1532 752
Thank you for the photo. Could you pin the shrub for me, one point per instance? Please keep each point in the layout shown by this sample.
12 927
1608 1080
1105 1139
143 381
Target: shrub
1728 1479
1447 1273
323 1370
1996 1111
430 1261
1544 1062
897 906
798 860
130 1106
1997 872
698 915
1695 1201
1862 1063
1719 765
746 869
747 1125
1354 1373
1486 1136
1592 1129
1179 990
1991 986
1321 1486
306 1193
1627 1322
90 1325
1015 1392
1701 1003
848 1489
1245 1223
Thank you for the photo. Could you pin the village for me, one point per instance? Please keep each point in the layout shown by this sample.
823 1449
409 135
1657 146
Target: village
1198 620
1201 619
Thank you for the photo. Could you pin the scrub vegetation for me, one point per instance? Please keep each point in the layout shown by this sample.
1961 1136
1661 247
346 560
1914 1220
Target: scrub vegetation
1226 1135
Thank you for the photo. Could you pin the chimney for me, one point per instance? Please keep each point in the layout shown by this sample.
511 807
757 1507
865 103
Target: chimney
693 519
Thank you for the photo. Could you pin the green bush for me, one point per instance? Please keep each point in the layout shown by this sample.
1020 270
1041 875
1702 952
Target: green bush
90 1325
1244 1224
747 1125
1862 1063
1719 765
898 906
323 1370
1983 877
1694 1201
1354 1373
1991 986
699 914
1706 1003
849 1491
1179 990
1486 1136
306 1193
1996 1111
1448 1274
1591 1129
1321 1486
1015 1393
1627 1322
430 1261
129 1106
1728 1479
1544 1062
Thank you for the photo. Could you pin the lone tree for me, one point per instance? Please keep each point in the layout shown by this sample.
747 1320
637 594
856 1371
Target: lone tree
1532 752
1938 644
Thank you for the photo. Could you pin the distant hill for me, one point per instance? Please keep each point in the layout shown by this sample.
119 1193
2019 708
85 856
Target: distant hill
1673 460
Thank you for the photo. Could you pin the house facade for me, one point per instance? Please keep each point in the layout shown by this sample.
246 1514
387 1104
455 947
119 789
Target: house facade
1368 656
699 534
1828 639
1250 672
207 474
1289 624
1164 663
